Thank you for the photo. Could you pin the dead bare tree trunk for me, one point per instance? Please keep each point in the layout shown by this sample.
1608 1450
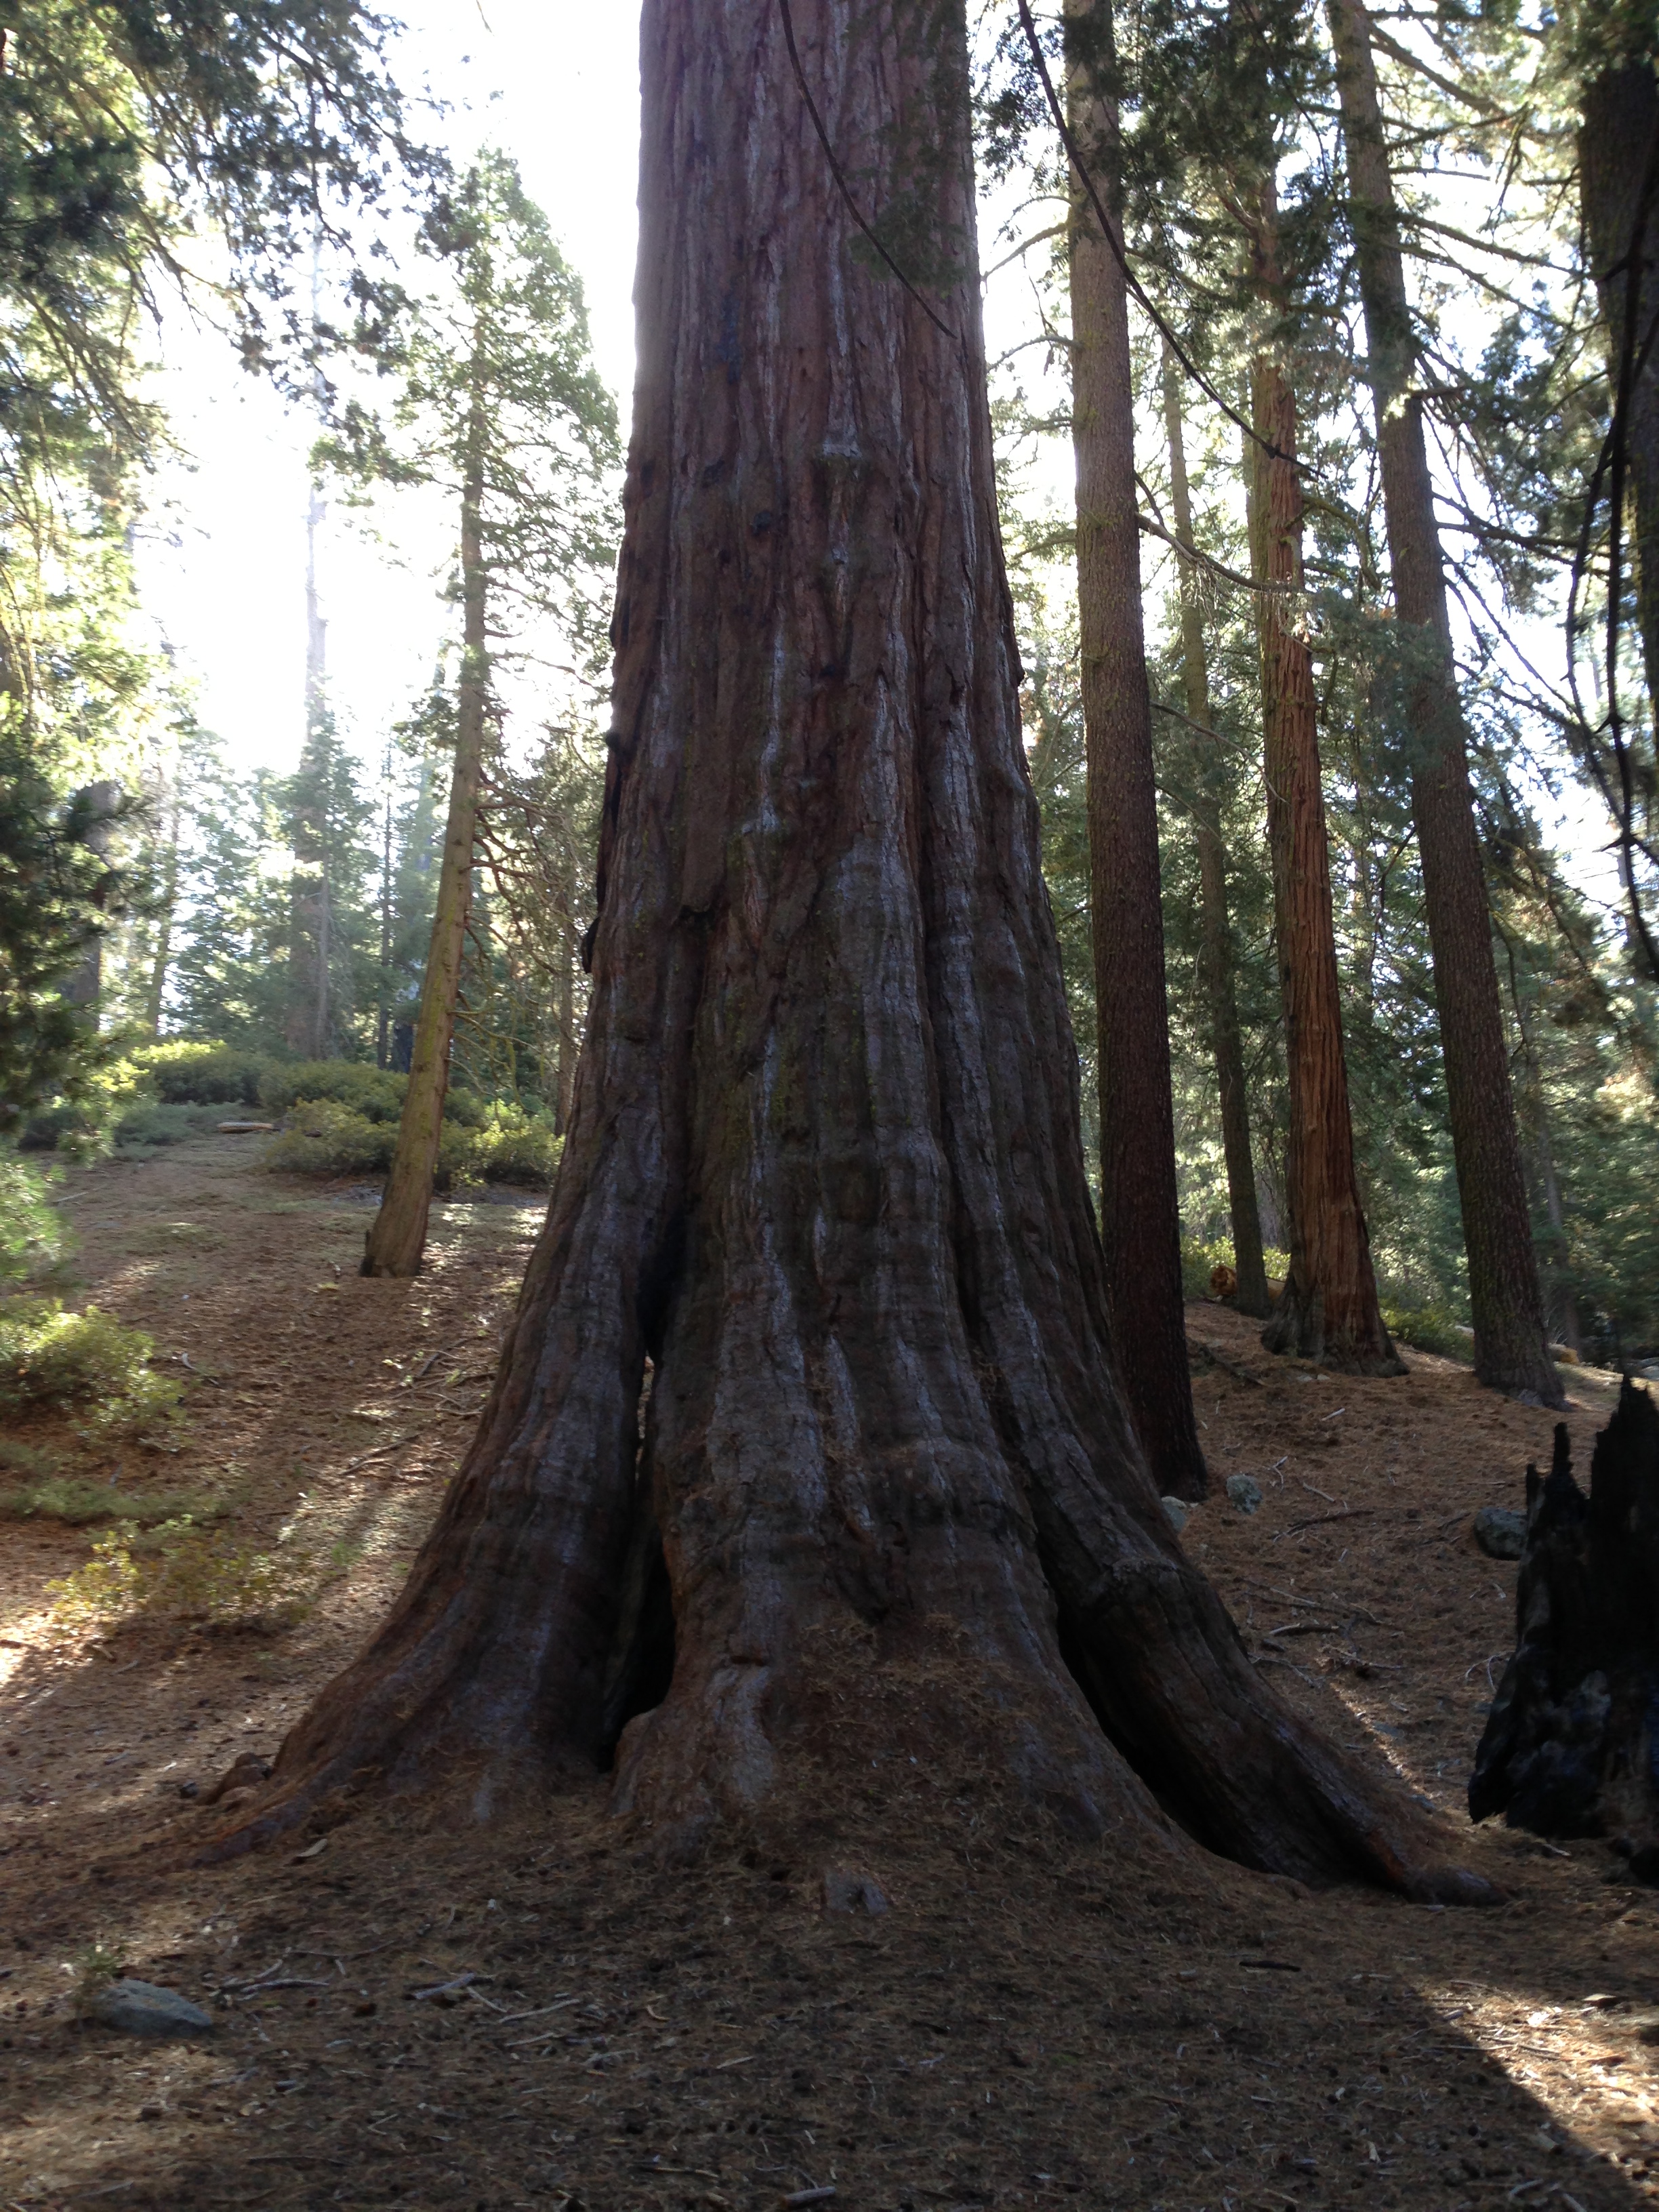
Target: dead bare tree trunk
1569 1748
1510 1349
825 1164
1215 926
1140 1221
1328 1310
397 1238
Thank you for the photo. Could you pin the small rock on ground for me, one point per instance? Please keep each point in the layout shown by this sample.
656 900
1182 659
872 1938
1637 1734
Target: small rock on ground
1500 1533
845 1891
1177 1508
142 2008
1245 1492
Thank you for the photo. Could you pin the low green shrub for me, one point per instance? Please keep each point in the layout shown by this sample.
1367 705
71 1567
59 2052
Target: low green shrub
374 1093
1199 1261
87 1362
184 1074
151 1123
323 1138
510 1146
80 1503
1430 1329
183 1571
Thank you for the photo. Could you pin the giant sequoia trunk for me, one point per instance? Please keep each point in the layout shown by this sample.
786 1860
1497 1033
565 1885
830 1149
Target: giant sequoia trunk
1510 1350
1140 1222
1328 1310
824 1168
1216 963
396 1242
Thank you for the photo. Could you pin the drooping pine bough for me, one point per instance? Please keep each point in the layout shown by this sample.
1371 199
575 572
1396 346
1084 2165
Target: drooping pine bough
824 1171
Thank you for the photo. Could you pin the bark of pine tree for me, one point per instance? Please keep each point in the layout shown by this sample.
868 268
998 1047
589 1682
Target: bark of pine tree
824 1168
1140 1221
397 1238
1215 926
1619 194
1512 1351
308 1024
1328 1309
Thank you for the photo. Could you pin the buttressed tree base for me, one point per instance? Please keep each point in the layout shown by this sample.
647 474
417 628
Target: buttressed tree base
825 1170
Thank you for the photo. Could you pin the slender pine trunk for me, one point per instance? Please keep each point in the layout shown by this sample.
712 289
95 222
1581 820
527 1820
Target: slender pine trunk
1216 965
1511 1351
1140 1222
397 1239
155 997
383 993
1328 1310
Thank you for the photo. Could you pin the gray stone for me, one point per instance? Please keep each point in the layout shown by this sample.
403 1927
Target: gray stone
845 1891
1177 1508
1500 1533
1245 1492
142 2008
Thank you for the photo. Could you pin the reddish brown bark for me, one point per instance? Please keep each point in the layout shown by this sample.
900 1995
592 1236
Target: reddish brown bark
1618 148
1140 1215
1216 964
1328 1310
825 1164
1510 1349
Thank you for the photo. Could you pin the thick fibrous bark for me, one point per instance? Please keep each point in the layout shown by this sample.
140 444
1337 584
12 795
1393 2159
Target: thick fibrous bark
397 1238
1328 1309
1511 1351
1140 1221
825 1165
1572 1745
1216 936
1618 150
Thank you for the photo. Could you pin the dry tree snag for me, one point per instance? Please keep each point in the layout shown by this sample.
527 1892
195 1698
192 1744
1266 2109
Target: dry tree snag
1571 1748
1328 1310
824 1167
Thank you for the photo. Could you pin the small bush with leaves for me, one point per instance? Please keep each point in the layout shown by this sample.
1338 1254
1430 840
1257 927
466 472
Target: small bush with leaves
1430 1329
32 1237
207 1075
81 1504
512 1147
86 1363
182 1571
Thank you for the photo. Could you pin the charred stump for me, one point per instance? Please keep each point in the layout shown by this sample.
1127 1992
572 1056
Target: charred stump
1571 1748
825 1170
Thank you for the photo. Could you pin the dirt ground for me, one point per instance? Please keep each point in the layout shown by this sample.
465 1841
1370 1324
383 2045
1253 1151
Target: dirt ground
411 2010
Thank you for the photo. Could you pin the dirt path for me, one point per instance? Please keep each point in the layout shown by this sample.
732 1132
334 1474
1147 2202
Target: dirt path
1029 2023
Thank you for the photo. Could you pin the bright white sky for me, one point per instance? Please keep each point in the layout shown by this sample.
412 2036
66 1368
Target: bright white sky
221 569
222 566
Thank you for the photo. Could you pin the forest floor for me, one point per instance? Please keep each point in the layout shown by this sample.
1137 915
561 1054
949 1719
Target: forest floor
1030 2023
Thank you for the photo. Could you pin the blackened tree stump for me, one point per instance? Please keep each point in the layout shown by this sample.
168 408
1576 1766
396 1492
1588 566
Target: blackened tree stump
1572 1745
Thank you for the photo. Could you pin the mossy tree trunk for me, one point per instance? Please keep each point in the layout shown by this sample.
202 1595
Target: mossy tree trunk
825 1170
